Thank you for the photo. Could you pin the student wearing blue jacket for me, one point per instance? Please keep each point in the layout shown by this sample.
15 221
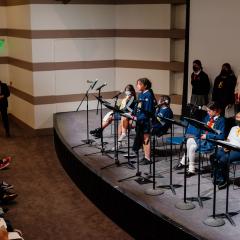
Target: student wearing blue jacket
160 126
144 113
213 120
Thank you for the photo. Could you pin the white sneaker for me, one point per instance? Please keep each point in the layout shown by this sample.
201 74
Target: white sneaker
123 135
119 146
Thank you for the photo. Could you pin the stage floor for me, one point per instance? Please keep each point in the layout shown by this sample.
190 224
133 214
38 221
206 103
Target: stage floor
71 127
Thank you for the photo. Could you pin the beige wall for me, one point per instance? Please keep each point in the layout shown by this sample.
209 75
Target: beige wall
214 35
48 82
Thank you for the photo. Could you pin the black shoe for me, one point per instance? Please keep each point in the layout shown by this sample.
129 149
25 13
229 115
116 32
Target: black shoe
98 135
179 166
145 161
189 174
222 185
94 131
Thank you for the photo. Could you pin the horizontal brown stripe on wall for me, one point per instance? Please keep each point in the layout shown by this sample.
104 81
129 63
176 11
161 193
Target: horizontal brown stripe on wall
51 66
156 65
24 2
73 65
3 31
40 100
94 33
3 60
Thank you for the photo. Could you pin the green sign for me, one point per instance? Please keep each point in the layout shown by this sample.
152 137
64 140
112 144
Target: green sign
2 41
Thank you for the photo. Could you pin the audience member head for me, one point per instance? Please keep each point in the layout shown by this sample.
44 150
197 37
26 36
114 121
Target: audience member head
164 101
197 66
143 84
213 109
130 91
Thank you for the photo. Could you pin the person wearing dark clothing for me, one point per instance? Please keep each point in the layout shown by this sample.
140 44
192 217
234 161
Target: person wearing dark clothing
161 127
224 85
200 85
223 94
144 112
4 94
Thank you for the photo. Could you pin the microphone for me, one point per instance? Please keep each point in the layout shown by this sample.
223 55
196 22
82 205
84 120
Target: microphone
93 83
118 94
103 85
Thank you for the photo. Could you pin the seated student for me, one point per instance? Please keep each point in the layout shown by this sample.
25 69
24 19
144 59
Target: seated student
126 105
161 127
222 156
213 120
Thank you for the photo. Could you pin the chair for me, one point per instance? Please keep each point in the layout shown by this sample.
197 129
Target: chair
179 140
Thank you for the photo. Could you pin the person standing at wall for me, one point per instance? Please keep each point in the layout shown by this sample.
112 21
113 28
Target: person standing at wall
4 94
200 85
223 94
237 95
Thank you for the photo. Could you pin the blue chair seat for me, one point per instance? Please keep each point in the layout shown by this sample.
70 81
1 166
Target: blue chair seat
175 140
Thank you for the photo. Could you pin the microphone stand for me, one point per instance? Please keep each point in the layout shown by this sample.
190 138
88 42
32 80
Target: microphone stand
153 191
86 141
214 221
117 163
102 149
185 205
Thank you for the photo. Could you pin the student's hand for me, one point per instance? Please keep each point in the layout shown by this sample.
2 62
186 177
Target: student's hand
203 136
134 118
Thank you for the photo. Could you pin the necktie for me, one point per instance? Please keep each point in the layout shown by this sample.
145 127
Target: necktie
210 123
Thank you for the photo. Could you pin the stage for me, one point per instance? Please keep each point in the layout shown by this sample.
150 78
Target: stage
142 215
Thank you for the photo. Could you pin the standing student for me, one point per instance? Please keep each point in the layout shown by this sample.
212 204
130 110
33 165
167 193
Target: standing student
200 84
4 94
223 94
145 111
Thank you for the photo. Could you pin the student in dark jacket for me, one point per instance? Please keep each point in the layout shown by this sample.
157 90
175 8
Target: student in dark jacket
144 113
4 94
224 85
200 84
215 121
223 94
160 126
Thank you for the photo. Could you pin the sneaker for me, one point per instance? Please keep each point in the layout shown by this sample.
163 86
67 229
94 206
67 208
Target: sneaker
4 163
119 146
122 137
5 186
179 166
145 161
8 196
222 185
92 132
189 174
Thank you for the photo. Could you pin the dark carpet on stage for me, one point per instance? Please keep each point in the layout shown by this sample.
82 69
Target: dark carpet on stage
49 205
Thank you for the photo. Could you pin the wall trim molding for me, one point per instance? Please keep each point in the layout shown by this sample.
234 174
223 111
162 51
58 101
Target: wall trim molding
110 2
41 100
29 130
115 63
94 33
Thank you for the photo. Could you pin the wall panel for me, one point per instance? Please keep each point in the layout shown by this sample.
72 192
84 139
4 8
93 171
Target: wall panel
149 49
154 16
61 16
